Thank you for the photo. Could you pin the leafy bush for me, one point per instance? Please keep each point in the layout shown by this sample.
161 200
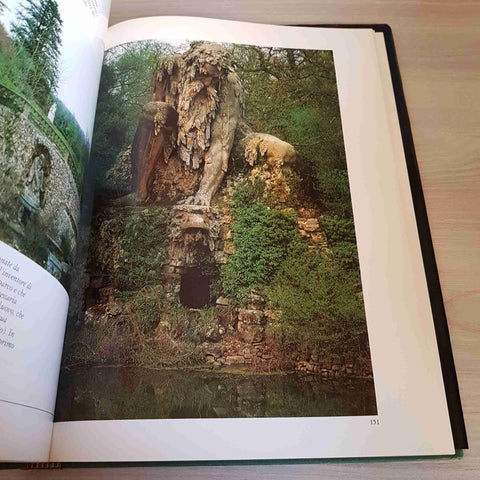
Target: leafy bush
262 238
134 247
333 186
143 248
248 193
319 303
146 306
338 229
345 255
15 63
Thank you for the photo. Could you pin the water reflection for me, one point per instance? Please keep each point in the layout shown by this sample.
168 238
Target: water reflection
100 393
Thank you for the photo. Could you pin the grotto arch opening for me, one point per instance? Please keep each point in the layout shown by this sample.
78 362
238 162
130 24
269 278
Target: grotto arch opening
194 288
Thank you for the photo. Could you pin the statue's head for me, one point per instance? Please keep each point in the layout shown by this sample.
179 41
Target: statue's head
208 62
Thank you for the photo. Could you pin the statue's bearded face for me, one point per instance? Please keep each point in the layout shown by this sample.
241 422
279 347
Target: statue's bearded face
211 75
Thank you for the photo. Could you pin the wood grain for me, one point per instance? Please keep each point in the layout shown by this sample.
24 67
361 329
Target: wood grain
438 45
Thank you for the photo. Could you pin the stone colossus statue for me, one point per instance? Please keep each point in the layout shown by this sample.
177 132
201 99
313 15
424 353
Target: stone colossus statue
191 120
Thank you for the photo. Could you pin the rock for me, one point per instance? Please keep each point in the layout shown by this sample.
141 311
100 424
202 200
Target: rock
118 178
223 301
226 317
194 221
107 293
251 317
270 332
213 335
95 315
220 257
229 248
234 360
319 238
251 333
311 225
209 359
114 308
256 302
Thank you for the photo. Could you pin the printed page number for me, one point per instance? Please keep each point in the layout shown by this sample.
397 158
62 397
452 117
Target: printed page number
375 421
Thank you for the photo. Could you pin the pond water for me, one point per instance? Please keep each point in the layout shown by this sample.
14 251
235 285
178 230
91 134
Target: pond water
108 393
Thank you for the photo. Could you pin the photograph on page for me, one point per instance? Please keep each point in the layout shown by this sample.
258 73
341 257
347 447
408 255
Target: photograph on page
222 278
50 58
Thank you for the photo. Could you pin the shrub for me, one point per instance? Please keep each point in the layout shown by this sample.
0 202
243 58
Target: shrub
338 229
134 247
333 185
262 238
147 306
320 307
345 255
248 193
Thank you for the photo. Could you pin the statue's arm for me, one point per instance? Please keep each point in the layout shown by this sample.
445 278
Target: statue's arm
156 121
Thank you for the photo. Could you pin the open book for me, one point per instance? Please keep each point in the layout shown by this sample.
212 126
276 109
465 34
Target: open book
213 244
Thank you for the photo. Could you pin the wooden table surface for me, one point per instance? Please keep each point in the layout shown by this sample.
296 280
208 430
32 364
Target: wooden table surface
438 48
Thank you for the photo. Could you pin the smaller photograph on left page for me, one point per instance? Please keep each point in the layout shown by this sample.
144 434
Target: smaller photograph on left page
50 61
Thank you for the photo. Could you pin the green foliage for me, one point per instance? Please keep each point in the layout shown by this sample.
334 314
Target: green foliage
338 229
29 66
346 255
15 63
134 245
143 248
147 306
262 238
125 86
333 186
38 33
68 125
248 193
319 303
293 94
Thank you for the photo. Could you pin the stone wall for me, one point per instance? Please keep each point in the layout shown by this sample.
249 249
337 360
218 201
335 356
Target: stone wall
21 141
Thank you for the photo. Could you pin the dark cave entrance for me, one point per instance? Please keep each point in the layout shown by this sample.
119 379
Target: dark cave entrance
194 288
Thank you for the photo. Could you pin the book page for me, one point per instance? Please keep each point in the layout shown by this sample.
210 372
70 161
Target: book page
50 55
33 309
255 283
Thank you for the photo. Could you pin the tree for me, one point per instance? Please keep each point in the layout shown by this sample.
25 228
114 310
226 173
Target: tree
38 33
125 87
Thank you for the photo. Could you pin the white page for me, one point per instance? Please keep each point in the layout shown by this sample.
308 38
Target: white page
33 310
33 306
412 411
